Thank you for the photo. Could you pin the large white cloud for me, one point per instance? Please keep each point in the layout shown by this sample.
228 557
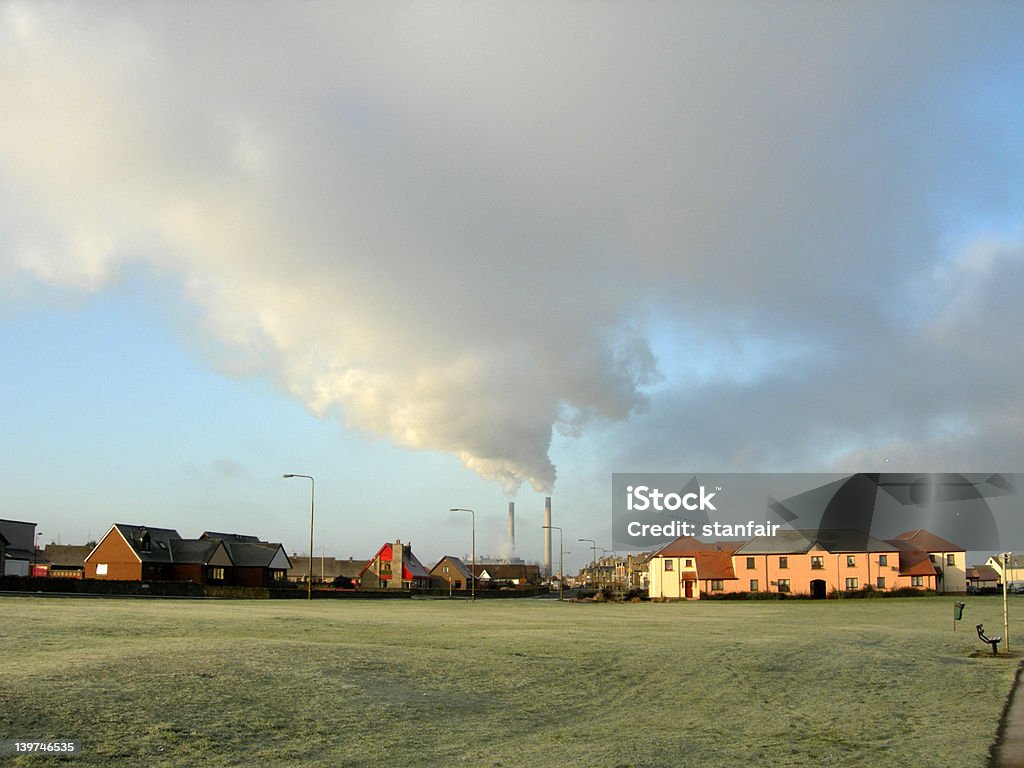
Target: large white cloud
461 226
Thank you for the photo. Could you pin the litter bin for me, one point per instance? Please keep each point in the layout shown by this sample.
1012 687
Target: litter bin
958 610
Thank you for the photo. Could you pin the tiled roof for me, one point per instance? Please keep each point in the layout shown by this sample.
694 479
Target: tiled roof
714 565
929 541
798 542
913 561
230 537
66 554
983 573
193 550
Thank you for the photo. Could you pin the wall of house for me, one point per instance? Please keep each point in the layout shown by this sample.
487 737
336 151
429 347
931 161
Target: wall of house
120 559
671 584
194 572
954 577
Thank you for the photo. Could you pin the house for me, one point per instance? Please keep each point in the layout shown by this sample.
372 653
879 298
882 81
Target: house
329 570
395 567
681 567
453 572
254 563
20 547
982 577
806 562
949 559
516 574
66 560
1014 568
3 552
132 553
144 553
201 562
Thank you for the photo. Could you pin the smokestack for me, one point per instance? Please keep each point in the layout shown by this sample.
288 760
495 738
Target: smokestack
547 536
512 530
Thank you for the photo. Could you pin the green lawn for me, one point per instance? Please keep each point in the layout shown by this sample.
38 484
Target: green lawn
881 682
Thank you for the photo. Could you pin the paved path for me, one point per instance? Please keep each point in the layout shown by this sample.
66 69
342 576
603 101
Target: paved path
1009 752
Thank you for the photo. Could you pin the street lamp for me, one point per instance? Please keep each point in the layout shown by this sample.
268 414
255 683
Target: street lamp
593 563
312 498
561 576
472 567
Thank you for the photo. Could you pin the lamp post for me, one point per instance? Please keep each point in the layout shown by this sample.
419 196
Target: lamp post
561 576
472 567
1007 560
312 499
593 563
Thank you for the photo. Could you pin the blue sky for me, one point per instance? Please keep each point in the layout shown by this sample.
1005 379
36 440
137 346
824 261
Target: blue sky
453 255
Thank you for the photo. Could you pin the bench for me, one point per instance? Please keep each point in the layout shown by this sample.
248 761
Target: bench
993 641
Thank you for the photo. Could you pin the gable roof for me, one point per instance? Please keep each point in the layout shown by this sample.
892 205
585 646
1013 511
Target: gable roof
929 541
159 541
194 550
456 562
508 571
259 554
712 564
412 568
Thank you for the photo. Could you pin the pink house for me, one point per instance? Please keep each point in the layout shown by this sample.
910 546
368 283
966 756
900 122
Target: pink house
800 562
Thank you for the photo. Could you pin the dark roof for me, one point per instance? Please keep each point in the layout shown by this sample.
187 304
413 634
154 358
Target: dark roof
509 571
159 541
929 541
3 539
193 550
329 567
230 537
797 542
19 533
259 554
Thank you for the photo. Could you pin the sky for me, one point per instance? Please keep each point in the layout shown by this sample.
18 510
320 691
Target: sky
454 254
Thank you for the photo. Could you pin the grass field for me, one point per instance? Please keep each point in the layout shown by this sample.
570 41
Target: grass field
883 682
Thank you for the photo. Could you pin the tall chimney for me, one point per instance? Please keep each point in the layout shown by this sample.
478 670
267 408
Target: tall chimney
512 530
547 536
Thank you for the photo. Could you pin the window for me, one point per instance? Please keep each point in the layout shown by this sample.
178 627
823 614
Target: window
851 584
101 569
687 563
817 562
917 581
851 561
880 582
783 562
753 585
668 565
218 574
883 559
932 558
750 564
716 585
783 585
950 559
444 569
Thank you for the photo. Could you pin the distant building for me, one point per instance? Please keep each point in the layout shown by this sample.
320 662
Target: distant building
507 573
20 549
982 577
1014 569
395 567
453 572
327 570
66 560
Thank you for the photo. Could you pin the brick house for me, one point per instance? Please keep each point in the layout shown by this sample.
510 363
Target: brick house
395 567
453 572
144 553
66 560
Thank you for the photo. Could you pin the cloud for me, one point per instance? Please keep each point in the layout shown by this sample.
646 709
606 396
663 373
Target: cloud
466 227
